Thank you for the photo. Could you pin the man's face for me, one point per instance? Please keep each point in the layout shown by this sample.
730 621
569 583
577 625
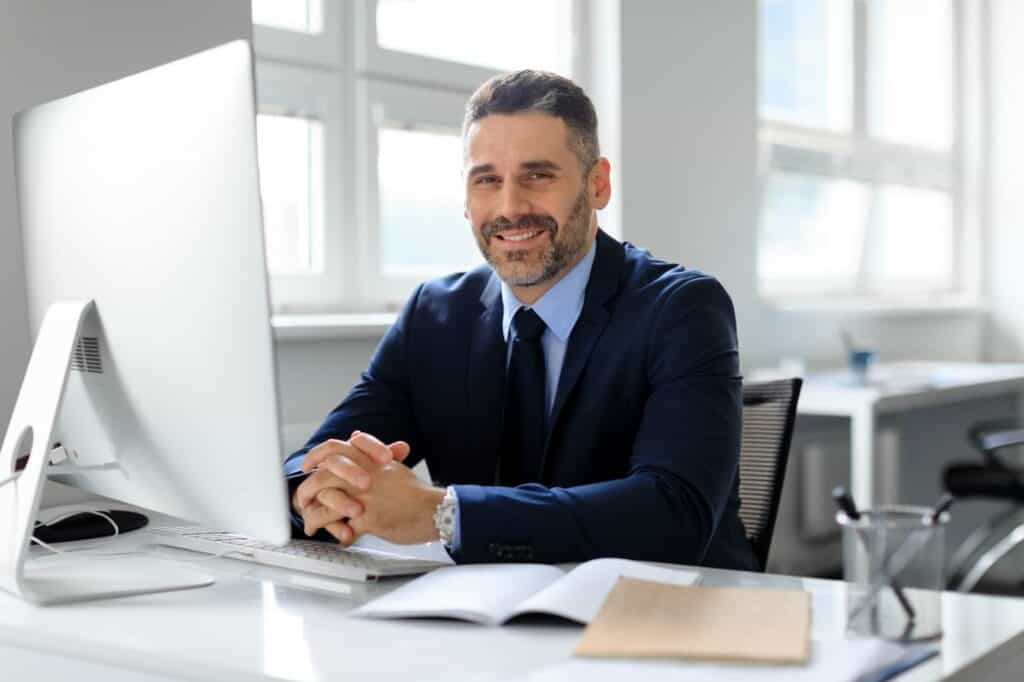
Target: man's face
527 197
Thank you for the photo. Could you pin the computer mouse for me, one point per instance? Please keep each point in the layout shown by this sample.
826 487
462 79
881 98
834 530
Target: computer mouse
84 526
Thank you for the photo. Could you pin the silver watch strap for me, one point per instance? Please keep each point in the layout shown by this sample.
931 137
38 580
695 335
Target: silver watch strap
444 517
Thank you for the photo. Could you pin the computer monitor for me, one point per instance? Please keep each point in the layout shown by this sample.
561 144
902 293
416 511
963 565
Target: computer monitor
142 196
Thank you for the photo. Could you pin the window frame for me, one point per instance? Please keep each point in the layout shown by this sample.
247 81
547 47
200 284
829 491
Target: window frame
373 60
324 48
289 90
364 82
385 102
858 155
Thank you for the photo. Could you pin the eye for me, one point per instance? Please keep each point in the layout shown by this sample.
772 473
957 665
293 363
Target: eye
485 180
538 175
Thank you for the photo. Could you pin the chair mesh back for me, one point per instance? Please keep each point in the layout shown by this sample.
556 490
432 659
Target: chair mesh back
769 412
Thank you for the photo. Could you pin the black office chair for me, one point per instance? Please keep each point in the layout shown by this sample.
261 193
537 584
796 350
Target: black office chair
999 476
769 413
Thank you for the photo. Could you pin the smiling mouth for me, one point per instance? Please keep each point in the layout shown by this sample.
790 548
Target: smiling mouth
518 236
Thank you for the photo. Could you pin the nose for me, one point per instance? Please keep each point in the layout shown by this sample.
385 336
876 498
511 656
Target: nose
514 202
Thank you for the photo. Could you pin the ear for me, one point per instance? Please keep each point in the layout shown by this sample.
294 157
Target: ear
600 183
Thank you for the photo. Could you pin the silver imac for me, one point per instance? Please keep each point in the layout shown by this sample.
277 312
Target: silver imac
153 357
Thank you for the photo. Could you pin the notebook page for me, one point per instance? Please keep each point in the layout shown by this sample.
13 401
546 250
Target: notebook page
579 595
480 593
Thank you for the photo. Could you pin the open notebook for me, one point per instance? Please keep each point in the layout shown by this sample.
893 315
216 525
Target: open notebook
492 594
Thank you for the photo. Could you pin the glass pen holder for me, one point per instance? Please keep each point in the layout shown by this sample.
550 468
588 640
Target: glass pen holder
894 565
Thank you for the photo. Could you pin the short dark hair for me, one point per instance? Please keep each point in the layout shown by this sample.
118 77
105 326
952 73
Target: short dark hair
549 93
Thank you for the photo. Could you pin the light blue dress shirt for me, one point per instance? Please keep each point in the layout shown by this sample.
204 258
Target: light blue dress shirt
559 307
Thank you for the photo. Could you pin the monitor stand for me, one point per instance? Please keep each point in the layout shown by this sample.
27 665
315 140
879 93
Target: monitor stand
62 578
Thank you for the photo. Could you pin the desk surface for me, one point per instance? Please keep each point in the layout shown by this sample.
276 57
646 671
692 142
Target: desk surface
253 625
907 385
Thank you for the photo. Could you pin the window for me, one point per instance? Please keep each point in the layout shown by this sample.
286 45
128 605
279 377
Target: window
291 184
807 62
302 16
540 28
300 144
422 230
361 158
861 148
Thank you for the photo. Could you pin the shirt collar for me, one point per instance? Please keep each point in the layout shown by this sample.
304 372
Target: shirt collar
560 306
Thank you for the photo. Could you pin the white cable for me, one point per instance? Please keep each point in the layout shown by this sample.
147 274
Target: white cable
117 531
46 546
51 548
95 512
10 478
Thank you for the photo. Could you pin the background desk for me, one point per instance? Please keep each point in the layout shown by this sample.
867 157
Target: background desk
253 625
899 387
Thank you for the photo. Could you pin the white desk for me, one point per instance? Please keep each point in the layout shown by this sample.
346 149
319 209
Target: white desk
898 387
251 625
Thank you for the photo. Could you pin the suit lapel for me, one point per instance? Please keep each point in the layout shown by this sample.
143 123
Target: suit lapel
486 377
601 288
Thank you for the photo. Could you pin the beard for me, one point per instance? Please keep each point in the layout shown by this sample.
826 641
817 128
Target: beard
523 267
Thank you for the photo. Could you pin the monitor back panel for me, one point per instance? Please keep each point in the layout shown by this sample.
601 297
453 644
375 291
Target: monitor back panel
143 195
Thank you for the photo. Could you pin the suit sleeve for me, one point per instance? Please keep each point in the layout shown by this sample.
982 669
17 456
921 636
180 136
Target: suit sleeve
682 466
379 404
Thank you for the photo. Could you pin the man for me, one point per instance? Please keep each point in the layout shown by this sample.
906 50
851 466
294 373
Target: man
577 397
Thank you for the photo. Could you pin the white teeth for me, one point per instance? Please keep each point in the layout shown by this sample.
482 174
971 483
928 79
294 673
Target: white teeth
520 237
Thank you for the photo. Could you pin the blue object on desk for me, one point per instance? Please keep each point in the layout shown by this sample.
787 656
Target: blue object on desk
912 658
860 363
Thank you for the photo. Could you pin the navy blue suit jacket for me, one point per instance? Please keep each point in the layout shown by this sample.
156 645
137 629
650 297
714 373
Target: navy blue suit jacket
643 446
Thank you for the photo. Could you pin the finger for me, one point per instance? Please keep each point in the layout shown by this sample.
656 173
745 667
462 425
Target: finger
341 532
307 514
372 446
317 454
400 450
317 516
353 473
397 451
305 492
360 526
321 480
308 489
340 502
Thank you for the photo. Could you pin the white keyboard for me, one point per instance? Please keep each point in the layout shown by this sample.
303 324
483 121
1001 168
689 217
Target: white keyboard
310 556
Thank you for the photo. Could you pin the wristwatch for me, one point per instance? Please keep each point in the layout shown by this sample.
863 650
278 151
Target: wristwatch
444 517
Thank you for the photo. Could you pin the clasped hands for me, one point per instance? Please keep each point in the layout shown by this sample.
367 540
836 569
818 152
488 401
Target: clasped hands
361 486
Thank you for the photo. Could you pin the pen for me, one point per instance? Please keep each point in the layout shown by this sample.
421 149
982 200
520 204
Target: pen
904 553
942 506
844 500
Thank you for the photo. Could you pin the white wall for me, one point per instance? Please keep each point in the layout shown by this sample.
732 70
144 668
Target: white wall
1005 274
313 377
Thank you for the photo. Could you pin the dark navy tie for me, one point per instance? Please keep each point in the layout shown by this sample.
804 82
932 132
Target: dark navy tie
525 423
